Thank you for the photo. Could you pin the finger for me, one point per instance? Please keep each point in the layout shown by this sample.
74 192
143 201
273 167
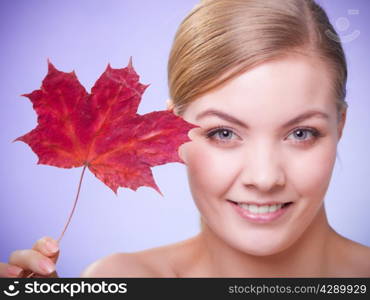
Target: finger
30 274
48 247
7 270
32 260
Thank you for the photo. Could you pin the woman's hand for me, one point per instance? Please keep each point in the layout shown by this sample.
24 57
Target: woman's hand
41 260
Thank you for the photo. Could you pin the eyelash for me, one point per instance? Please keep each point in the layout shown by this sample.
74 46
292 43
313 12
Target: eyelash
314 132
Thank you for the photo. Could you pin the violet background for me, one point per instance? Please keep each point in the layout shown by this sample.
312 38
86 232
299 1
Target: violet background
86 35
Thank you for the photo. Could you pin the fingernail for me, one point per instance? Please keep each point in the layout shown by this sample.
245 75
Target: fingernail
14 270
46 266
51 247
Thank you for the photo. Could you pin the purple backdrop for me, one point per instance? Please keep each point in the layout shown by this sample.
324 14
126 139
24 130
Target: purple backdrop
85 36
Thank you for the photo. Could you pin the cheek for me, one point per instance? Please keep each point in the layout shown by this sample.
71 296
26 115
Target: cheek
312 172
209 171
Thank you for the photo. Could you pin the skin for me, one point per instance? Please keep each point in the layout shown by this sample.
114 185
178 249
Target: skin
265 162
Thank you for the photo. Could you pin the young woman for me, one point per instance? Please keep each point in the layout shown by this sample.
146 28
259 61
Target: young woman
266 84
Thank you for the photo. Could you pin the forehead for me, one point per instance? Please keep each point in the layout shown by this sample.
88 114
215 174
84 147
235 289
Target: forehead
275 89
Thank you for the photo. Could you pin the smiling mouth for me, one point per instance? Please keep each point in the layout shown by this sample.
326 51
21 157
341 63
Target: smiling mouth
261 209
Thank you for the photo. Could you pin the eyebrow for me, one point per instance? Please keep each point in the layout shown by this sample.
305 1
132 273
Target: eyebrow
306 115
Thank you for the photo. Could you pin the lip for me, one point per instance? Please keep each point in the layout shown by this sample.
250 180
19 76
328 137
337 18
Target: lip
261 204
260 218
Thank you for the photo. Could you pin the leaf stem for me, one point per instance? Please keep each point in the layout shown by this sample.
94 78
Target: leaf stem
31 275
74 205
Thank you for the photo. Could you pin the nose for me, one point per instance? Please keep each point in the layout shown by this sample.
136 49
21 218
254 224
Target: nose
263 168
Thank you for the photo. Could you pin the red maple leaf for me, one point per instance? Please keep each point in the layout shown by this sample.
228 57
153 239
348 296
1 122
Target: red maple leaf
102 130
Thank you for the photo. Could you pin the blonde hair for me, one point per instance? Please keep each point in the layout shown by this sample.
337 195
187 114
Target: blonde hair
220 39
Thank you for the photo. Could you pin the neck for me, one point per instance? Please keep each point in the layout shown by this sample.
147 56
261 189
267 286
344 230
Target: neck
307 257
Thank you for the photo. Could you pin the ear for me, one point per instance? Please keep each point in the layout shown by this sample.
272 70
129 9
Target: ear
343 116
182 153
169 104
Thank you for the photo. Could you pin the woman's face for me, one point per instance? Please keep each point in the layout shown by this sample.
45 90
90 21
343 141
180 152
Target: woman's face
267 138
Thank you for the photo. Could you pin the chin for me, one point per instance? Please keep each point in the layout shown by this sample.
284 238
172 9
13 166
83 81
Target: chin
263 251
261 248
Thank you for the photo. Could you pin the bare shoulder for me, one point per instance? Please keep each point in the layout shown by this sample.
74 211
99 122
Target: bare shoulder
118 265
154 262
356 258
361 259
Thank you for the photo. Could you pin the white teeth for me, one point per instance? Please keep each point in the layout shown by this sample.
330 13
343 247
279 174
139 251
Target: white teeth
273 208
253 209
263 209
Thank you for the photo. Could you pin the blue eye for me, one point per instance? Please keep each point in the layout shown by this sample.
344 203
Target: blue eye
305 134
221 134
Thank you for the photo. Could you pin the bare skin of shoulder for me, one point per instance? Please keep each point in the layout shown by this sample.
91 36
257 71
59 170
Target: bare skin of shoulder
350 259
165 261
189 258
